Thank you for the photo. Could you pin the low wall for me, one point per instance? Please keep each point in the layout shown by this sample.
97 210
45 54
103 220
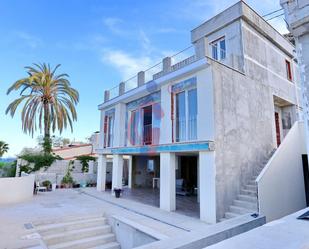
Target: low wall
281 188
16 189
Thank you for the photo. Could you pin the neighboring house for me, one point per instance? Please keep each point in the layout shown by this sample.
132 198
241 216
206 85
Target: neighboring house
209 122
72 151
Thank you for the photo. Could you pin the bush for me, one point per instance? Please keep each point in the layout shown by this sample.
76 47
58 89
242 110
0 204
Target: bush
84 160
8 169
47 184
68 179
39 161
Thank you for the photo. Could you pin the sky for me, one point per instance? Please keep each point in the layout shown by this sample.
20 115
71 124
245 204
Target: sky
99 43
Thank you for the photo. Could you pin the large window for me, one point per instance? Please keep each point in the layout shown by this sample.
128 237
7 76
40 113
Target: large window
109 130
134 128
181 116
218 49
186 115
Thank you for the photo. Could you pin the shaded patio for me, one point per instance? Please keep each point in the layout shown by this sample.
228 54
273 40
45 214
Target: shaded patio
186 205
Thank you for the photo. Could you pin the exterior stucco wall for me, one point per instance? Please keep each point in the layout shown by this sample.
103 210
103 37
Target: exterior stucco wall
243 134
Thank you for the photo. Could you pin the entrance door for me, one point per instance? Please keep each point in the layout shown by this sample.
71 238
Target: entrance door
278 136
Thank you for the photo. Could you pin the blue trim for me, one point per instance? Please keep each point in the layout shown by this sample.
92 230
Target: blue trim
186 147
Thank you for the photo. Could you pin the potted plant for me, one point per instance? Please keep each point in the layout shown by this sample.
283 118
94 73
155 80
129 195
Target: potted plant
47 184
67 180
117 192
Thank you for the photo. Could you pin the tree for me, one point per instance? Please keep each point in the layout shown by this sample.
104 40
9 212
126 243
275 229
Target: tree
47 98
4 147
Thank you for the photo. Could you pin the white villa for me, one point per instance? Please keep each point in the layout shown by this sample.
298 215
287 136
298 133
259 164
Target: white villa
203 128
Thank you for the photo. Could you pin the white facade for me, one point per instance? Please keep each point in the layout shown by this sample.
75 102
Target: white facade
205 121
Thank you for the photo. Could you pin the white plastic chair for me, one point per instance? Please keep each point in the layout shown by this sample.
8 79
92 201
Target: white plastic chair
40 188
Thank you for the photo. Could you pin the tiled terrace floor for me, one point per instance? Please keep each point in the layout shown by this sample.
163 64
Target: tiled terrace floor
186 205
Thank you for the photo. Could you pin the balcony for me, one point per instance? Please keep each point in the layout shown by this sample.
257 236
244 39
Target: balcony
168 65
147 135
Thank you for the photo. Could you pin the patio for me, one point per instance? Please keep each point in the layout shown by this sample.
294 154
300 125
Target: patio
186 205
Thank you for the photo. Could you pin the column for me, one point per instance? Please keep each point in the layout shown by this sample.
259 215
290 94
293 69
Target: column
101 173
207 182
117 171
130 172
168 181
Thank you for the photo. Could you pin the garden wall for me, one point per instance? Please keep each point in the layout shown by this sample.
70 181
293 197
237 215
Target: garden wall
16 189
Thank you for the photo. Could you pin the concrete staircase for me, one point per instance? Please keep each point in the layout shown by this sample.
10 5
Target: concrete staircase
78 233
246 202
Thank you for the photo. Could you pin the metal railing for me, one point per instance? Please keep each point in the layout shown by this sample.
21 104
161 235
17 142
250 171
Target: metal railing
175 62
147 134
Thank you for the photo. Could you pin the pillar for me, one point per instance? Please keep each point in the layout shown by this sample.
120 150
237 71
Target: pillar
106 96
122 88
167 64
117 171
168 181
101 173
141 78
207 182
130 172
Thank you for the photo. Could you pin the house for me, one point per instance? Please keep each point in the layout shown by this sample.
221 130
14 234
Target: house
206 125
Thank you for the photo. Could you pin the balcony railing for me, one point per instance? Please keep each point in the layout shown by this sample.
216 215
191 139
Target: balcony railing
169 64
147 134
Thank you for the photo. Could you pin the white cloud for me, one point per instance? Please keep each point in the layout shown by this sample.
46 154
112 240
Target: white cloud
128 65
28 39
115 25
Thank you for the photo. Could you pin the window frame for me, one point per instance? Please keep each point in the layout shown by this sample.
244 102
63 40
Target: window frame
187 126
288 68
219 54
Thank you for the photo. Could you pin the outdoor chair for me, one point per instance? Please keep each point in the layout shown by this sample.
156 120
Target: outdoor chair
38 187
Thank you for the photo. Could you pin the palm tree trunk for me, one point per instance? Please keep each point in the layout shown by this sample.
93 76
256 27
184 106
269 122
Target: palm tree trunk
47 140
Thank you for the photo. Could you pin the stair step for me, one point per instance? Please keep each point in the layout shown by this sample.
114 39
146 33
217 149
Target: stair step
230 215
66 219
252 182
248 198
245 204
72 225
86 242
250 187
76 234
240 210
222 219
248 192
112 245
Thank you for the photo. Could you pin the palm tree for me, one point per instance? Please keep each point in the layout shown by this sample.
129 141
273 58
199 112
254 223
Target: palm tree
46 97
4 147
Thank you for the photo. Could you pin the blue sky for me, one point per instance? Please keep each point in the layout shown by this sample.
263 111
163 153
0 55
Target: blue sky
99 43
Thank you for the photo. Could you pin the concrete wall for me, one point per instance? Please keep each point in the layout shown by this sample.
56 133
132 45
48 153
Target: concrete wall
16 189
281 188
243 121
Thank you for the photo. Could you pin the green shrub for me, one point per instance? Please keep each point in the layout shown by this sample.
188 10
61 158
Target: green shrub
84 160
39 161
68 179
47 184
8 169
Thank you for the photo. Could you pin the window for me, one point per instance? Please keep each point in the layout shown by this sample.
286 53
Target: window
147 125
218 48
192 109
186 115
150 165
108 130
180 116
288 70
134 128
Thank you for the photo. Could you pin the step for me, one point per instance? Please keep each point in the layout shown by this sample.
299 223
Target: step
248 192
72 225
223 219
247 198
250 187
230 215
252 182
112 245
245 204
86 242
240 210
66 219
76 234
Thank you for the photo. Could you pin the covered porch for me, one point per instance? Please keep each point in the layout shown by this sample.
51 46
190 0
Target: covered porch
183 182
